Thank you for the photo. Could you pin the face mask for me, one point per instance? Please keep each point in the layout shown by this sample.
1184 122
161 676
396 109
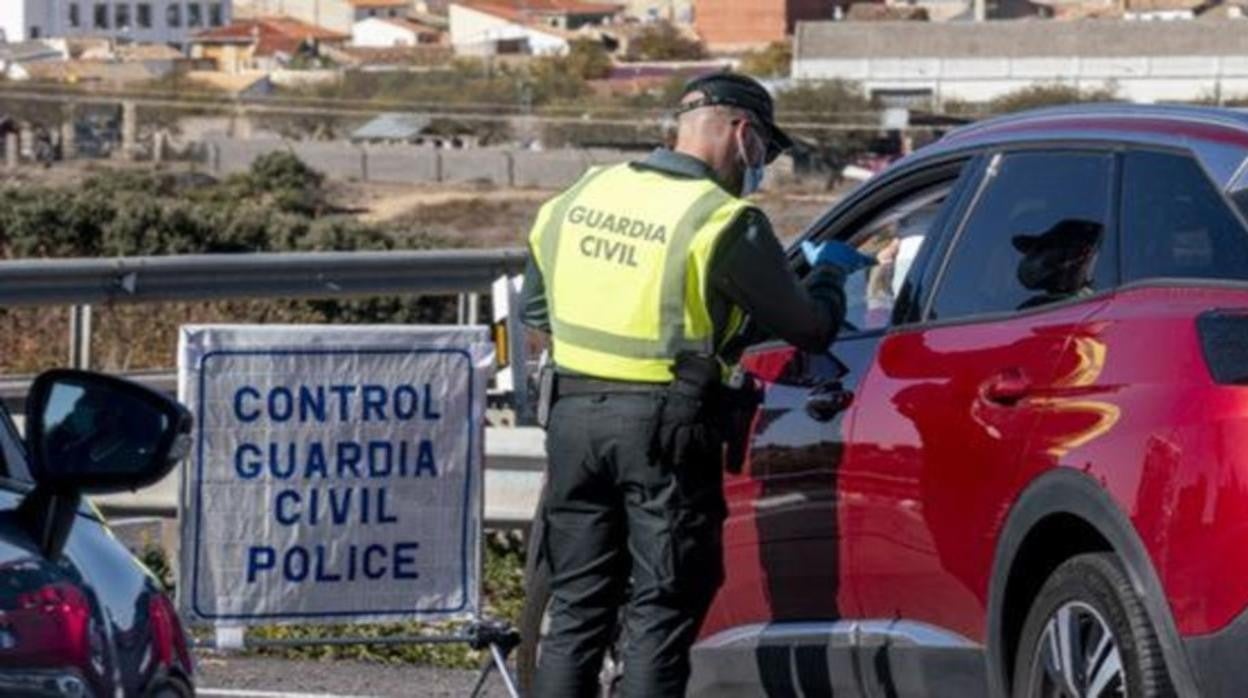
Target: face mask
752 178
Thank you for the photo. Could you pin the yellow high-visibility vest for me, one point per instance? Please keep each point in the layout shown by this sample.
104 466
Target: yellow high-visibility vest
624 255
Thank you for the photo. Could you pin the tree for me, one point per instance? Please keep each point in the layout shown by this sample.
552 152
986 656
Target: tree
828 107
1035 97
588 59
661 41
823 100
774 61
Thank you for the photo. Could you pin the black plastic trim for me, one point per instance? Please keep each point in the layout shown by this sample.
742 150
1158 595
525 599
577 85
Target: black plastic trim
1218 659
1065 491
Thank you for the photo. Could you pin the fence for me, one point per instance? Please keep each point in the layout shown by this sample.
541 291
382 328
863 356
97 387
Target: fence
413 164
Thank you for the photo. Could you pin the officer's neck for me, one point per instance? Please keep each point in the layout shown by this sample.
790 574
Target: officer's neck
722 168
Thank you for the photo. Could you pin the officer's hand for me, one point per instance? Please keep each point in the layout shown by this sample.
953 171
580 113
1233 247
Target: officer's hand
837 254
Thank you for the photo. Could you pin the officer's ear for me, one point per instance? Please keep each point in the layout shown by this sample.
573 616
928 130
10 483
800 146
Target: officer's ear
669 127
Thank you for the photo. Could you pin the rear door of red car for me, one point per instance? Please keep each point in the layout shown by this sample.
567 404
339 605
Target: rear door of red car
784 548
944 416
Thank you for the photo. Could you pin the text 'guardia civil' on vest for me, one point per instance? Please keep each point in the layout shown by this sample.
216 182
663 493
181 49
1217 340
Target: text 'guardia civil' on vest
618 251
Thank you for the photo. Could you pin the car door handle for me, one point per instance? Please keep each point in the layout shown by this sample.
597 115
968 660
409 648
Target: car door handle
828 400
1007 388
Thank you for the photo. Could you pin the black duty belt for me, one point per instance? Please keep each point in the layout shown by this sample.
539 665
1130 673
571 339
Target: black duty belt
569 386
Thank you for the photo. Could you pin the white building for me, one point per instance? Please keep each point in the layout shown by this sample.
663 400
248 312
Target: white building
976 62
539 27
385 32
146 21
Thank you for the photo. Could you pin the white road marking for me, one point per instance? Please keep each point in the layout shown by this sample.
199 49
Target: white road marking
248 693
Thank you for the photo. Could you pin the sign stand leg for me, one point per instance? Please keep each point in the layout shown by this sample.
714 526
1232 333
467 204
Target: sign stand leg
500 639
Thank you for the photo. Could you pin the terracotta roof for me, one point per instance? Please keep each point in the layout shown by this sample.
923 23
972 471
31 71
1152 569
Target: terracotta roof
524 10
411 25
273 31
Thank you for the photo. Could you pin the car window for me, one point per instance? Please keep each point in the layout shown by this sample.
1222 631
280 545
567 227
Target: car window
1039 233
1175 223
894 238
12 453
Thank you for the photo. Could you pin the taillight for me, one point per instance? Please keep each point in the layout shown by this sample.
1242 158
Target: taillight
168 638
1224 339
50 625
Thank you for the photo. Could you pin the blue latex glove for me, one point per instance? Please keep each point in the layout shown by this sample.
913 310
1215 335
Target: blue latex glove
837 254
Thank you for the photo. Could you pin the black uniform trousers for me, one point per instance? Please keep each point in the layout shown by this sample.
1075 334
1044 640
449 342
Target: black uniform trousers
629 518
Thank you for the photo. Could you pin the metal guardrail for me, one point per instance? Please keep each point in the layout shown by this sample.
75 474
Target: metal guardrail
252 275
515 458
13 389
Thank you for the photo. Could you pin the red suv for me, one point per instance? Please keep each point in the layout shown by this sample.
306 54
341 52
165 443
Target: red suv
1022 469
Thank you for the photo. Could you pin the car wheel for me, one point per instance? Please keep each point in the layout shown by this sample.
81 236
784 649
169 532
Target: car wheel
1087 636
534 621
173 688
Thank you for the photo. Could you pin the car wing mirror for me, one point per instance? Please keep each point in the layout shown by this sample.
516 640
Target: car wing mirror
88 433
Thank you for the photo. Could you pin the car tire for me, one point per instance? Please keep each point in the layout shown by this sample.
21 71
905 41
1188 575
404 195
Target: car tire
172 688
1087 634
533 615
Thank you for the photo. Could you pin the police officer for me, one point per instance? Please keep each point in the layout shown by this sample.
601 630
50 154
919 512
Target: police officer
642 273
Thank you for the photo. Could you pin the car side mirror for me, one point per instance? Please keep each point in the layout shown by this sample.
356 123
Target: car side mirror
94 434
88 433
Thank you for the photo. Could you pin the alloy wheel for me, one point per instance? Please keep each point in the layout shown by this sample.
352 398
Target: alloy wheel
1078 657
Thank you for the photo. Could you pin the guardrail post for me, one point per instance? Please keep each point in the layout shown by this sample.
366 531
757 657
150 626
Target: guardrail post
129 130
80 337
69 134
12 150
466 308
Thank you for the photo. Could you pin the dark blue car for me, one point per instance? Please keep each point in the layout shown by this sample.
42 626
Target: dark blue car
79 615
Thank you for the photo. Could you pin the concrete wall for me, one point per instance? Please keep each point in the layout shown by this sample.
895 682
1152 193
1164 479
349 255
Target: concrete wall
404 164
539 169
305 78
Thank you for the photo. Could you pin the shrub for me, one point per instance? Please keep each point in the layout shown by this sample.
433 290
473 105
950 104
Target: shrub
774 61
1034 97
662 41
279 205
828 105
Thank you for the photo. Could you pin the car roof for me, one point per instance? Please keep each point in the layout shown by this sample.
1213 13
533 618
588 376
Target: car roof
1217 136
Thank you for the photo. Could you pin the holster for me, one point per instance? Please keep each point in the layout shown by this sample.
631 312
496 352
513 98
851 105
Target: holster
546 389
729 409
